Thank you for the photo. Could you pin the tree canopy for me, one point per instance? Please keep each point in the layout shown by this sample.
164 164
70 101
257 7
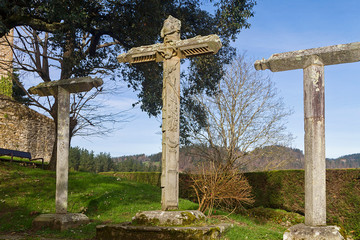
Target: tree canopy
109 27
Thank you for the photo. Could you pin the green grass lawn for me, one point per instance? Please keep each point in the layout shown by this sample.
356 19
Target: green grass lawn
26 193
23 160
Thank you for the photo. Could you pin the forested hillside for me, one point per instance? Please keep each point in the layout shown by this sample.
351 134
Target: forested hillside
86 161
260 159
347 161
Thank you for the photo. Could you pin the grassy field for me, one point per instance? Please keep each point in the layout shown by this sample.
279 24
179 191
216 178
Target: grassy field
26 192
24 161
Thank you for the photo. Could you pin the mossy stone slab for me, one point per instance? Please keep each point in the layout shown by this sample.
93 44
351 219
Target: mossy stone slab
128 231
60 221
167 218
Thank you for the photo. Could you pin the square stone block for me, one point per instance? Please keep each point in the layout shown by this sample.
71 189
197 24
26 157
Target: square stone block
60 221
304 232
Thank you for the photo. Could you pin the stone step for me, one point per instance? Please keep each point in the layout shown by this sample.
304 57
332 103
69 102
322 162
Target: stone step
128 231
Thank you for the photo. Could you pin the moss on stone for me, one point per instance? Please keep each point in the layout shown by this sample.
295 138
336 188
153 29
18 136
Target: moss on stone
142 219
6 86
124 231
188 218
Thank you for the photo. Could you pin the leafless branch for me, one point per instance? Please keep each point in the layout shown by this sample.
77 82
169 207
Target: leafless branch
245 113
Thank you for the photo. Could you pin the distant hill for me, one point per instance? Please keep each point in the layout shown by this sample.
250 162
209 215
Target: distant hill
260 159
274 158
139 157
138 163
347 161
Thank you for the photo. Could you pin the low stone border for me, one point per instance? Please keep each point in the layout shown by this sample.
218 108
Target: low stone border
128 231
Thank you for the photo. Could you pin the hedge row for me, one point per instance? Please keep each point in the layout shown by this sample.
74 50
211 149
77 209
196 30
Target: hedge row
152 178
285 190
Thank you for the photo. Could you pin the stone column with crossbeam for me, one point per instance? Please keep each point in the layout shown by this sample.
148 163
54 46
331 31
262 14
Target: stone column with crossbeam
170 52
62 89
312 61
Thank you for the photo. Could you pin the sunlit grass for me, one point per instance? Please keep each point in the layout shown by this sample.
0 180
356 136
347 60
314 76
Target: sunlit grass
23 160
25 193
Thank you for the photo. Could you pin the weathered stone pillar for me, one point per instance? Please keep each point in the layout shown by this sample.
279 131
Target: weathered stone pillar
312 61
170 52
63 220
314 142
170 134
62 165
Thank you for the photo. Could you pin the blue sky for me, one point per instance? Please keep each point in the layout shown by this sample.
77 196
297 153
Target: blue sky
278 26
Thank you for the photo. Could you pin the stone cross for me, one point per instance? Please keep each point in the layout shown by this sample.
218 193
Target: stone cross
170 52
62 90
312 61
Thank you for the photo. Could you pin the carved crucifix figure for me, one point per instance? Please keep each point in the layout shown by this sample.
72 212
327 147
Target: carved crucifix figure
170 52
312 61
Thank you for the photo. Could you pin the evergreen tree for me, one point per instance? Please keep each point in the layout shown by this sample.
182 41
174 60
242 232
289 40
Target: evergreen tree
18 92
74 158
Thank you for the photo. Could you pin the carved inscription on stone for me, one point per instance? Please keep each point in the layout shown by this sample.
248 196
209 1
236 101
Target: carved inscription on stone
171 91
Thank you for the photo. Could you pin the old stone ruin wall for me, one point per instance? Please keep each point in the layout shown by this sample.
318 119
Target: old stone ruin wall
6 56
24 129
6 64
21 128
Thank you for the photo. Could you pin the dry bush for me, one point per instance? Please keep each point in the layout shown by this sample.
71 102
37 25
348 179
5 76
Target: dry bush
220 186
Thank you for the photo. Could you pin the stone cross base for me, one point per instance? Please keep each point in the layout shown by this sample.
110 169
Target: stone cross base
127 231
304 232
60 221
168 218
165 225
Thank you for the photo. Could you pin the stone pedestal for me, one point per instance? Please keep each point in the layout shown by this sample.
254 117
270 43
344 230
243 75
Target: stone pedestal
168 218
60 221
154 225
304 232
127 231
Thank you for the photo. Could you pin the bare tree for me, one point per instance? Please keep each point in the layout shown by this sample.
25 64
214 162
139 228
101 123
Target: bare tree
39 53
245 113
218 187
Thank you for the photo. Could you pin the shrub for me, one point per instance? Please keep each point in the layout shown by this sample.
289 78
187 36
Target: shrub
217 186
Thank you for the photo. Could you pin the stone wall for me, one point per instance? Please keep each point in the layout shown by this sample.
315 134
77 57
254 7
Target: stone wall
6 54
6 66
24 129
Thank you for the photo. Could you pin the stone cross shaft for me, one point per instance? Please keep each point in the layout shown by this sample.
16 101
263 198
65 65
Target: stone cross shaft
312 61
62 90
170 52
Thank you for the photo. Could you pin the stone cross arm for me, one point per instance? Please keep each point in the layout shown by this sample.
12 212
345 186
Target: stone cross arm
342 53
72 85
198 45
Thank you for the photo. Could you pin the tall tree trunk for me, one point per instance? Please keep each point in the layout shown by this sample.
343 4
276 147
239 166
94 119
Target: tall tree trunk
52 163
66 72
68 56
